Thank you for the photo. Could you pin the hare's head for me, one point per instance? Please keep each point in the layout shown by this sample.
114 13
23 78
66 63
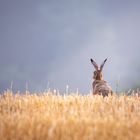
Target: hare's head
98 70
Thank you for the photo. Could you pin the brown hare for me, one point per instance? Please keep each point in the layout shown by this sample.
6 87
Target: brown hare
100 87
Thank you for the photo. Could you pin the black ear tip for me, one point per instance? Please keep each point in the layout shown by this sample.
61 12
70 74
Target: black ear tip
91 60
105 60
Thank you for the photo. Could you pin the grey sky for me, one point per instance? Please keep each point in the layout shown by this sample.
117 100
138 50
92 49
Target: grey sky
52 41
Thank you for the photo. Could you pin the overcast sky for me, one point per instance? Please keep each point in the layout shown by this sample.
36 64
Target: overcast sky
50 43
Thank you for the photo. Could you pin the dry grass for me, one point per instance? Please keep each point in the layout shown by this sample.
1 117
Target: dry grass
73 117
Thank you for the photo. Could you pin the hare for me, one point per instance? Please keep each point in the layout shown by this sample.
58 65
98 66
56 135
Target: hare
100 87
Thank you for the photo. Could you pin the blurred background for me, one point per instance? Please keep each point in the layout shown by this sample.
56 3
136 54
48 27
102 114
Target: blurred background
48 44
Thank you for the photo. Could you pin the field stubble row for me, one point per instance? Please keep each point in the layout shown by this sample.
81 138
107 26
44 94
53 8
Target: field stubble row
53 117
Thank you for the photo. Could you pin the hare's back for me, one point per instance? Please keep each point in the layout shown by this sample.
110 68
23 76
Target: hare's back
101 88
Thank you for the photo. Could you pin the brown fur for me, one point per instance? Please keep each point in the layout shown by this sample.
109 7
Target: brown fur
100 87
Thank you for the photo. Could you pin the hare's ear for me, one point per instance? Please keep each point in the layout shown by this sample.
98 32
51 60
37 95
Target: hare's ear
94 64
102 65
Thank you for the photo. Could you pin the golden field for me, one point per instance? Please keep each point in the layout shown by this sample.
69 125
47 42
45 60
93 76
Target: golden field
69 117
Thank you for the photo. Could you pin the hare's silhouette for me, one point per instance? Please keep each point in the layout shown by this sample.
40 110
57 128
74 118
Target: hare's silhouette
100 86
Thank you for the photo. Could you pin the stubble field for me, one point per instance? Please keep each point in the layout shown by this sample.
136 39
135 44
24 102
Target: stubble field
69 117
